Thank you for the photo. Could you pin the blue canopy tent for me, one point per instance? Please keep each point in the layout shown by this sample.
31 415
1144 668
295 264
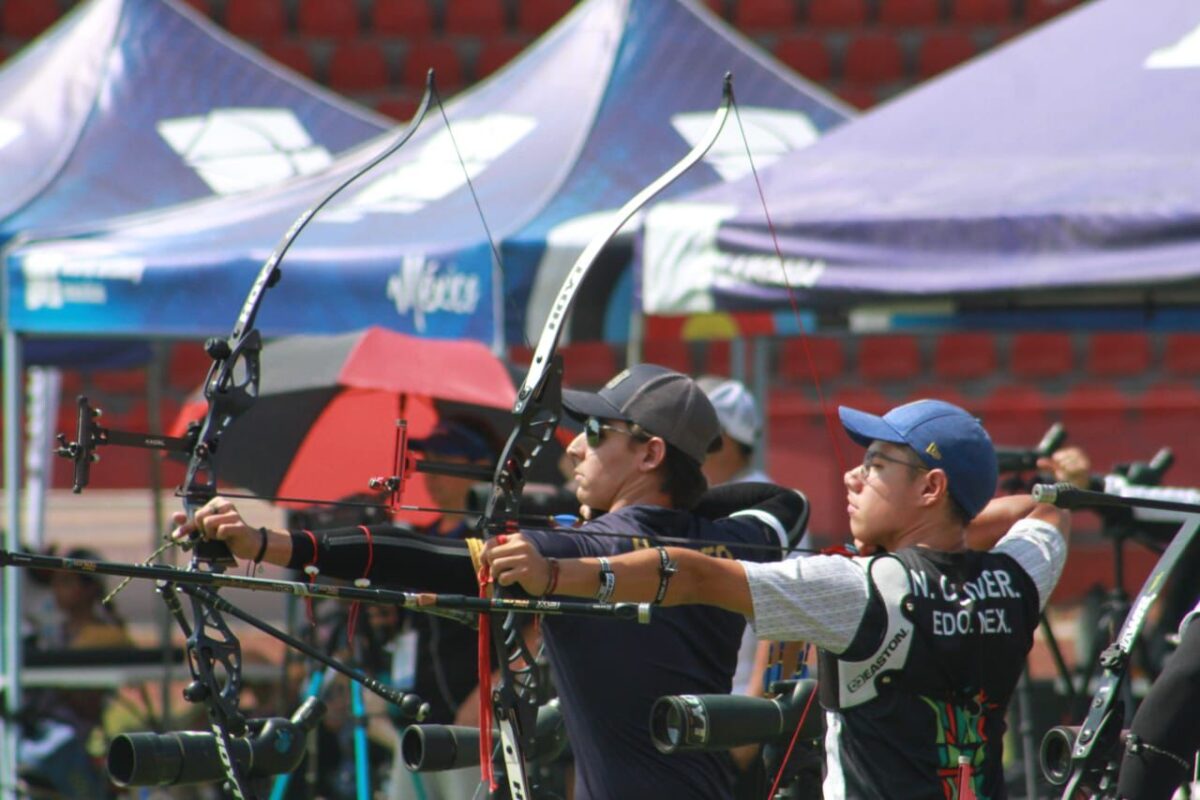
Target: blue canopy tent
1065 160
594 110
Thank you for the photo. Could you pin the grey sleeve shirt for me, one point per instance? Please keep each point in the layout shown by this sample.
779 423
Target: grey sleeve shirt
822 599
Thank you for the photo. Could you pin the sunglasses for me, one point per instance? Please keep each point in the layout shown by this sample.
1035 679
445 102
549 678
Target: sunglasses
593 431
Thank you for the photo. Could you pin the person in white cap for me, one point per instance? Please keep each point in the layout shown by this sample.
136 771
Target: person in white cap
741 427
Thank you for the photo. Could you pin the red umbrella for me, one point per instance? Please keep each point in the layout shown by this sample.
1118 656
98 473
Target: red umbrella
325 418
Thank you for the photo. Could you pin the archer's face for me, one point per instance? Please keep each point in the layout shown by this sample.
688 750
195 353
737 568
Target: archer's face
605 471
883 494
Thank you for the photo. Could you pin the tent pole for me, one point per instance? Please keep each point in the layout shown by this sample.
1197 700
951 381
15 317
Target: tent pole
761 375
14 389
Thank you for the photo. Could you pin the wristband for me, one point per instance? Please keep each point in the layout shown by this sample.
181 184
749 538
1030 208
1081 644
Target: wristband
552 584
608 582
666 569
262 547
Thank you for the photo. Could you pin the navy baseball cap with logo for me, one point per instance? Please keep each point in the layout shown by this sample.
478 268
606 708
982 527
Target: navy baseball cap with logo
666 403
944 436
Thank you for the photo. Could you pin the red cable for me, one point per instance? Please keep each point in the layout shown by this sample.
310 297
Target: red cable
362 583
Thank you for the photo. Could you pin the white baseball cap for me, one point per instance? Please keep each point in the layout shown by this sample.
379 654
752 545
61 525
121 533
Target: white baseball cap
736 409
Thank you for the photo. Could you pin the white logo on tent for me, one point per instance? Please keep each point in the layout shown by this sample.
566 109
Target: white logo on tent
1183 54
235 149
434 170
770 132
422 287
9 130
55 280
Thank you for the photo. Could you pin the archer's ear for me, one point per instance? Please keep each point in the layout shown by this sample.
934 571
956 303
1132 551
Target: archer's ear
937 486
654 454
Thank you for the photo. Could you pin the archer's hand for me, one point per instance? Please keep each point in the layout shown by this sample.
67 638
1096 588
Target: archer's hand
512 559
1070 465
218 520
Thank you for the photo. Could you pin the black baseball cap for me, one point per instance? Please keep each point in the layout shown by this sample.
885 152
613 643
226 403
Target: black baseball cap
664 402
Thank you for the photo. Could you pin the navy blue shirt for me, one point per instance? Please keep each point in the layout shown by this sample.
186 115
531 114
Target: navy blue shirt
610 672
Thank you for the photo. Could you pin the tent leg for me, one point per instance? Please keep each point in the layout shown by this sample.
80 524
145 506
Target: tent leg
14 387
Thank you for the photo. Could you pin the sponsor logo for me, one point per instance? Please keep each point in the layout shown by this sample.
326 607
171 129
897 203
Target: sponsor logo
422 287
879 663
933 451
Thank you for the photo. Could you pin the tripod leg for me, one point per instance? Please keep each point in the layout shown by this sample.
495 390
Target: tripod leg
1025 728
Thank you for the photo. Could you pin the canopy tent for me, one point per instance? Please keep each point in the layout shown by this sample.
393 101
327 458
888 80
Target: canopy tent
1063 160
130 105
605 101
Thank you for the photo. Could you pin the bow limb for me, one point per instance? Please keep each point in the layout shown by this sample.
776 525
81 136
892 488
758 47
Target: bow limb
537 411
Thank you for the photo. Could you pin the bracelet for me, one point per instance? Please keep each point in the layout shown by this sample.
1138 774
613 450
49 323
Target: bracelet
608 582
666 570
552 584
262 547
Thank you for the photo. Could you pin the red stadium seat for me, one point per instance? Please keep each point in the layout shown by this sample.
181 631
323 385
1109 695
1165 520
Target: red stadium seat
1114 355
1169 398
25 19
982 12
442 57
187 365
671 353
1167 413
942 391
293 55
837 13
807 54
718 7
764 15
399 106
1016 415
1097 418
828 359
1041 355
495 53
328 19
941 50
475 18
1181 355
588 363
201 6
863 398
535 16
358 66
256 19
888 358
717 357
962 356
1042 10
874 58
117 382
411 19
858 95
901 13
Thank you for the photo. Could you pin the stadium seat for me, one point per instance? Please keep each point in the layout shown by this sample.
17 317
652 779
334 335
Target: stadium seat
256 19
963 356
858 95
442 57
410 19
764 16
943 391
1097 418
828 359
941 50
293 55
837 13
475 18
672 353
717 357
1181 355
807 54
25 19
400 105
495 53
187 364
718 7
888 358
588 363
201 6
535 16
1016 415
908 13
1169 398
116 382
1041 355
863 398
1117 355
873 58
358 66
1042 10
328 19
982 12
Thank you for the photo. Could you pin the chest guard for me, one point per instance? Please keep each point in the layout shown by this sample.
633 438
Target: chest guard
886 635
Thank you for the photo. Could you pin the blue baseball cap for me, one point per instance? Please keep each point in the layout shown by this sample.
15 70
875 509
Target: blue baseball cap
944 436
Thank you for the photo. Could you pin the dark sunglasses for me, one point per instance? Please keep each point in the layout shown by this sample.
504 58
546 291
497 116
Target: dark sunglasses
593 431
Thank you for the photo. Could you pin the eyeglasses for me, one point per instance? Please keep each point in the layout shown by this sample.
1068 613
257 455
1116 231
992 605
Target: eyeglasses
871 458
593 431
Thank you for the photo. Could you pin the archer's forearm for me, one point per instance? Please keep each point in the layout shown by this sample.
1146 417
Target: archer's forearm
990 525
699 579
